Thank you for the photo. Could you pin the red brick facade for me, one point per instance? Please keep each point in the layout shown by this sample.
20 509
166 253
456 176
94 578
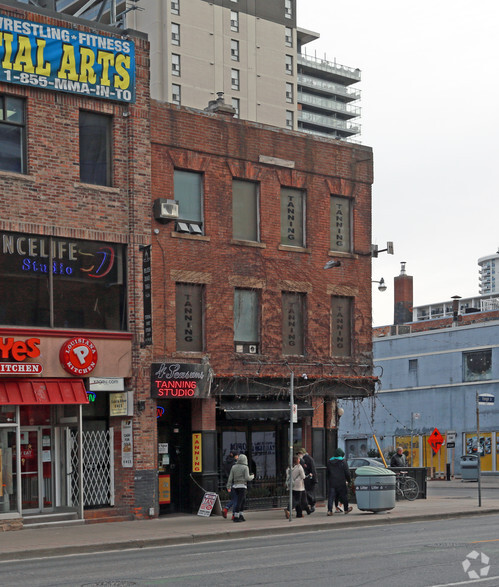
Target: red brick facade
49 199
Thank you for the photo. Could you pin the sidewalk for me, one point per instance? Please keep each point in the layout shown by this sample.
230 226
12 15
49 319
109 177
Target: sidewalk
185 528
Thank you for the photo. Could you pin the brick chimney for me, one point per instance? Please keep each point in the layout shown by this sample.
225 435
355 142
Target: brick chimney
219 106
402 286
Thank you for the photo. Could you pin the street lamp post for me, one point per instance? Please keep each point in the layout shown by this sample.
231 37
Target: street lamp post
484 399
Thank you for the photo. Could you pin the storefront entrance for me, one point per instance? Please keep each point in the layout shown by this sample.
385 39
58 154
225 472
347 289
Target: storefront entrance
174 455
46 471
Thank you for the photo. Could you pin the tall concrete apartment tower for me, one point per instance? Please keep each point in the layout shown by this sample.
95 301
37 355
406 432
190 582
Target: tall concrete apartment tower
489 268
251 50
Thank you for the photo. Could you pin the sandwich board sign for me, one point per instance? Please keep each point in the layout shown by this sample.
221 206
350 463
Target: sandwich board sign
209 505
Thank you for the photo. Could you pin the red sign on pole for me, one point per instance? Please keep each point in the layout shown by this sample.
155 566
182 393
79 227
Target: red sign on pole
435 440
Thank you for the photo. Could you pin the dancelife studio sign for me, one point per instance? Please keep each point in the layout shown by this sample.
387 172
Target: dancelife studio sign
66 60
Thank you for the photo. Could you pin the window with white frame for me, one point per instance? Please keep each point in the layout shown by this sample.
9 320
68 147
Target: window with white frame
288 8
289 93
175 6
292 217
289 64
234 21
175 64
246 321
234 50
176 94
236 105
234 79
288 38
245 210
175 33
290 119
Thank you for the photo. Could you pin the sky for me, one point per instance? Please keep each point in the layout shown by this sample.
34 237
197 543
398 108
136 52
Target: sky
430 111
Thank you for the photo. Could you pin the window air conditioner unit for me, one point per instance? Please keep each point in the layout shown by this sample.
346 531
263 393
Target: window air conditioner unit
165 209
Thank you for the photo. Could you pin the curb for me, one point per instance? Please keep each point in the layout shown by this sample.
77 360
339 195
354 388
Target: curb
234 534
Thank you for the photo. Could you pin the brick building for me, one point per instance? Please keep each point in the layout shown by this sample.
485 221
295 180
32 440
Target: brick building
241 297
74 210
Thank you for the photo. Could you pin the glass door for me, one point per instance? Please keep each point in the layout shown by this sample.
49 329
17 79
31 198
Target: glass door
36 469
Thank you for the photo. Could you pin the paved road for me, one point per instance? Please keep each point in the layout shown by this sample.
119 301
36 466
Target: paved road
417 554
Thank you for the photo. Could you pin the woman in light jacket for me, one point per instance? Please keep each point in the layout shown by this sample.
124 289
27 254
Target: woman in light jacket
237 482
298 485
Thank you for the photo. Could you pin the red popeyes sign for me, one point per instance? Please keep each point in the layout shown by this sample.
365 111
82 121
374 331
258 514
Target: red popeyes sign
19 350
78 356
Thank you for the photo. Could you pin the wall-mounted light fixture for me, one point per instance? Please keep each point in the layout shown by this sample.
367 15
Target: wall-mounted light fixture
382 284
141 405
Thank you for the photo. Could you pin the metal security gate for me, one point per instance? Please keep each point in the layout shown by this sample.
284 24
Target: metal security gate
98 468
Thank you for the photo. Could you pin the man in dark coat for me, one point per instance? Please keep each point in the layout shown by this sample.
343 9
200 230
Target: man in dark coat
308 464
338 477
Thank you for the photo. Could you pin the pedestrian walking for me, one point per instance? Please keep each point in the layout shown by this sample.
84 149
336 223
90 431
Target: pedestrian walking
338 477
308 464
398 459
299 501
238 483
230 460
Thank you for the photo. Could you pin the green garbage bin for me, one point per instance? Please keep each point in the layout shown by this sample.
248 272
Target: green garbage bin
375 489
469 467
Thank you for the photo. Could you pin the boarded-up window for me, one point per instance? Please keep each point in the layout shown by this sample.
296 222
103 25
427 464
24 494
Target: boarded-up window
246 320
341 326
293 312
292 217
189 310
245 210
341 238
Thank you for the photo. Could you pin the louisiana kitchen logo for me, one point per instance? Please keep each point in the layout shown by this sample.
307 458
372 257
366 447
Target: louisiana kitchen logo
78 356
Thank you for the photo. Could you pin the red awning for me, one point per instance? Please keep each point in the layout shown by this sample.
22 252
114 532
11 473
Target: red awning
42 391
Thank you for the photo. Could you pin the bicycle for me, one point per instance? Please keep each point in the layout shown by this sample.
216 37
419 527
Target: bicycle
406 486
